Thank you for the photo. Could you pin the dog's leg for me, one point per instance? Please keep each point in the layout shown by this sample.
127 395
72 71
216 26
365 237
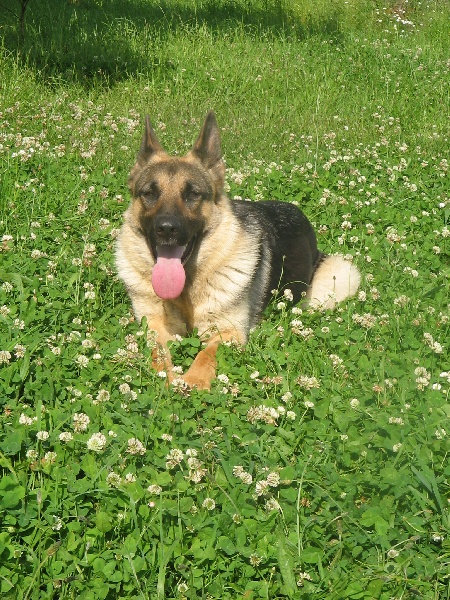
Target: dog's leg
161 359
203 369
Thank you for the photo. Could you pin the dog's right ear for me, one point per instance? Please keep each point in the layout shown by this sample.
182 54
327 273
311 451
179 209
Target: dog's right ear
208 150
150 143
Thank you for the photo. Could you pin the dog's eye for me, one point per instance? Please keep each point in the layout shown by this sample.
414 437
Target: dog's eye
193 196
150 196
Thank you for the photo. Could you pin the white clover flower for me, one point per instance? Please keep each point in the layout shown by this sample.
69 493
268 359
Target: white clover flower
209 504
194 463
5 356
50 457
286 397
80 422
113 479
302 578
288 295
96 442
308 382
255 559
182 587
65 436
35 254
19 350
396 420
42 435
135 447
367 320
354 403
103 223
176 455
273 479
401 300
262 413
262 488
102 396
154 489
82 360
19 323
272 504
25 420
246 478
124 388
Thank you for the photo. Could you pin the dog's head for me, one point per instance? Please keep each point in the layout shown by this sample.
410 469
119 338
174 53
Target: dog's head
173 200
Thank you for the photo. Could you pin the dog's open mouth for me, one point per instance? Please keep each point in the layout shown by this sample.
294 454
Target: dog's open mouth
168 275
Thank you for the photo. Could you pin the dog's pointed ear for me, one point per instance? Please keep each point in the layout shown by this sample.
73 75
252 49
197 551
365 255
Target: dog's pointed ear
150 143
207 147
208 150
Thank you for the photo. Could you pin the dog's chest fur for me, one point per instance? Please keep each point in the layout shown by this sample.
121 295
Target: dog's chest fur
219 277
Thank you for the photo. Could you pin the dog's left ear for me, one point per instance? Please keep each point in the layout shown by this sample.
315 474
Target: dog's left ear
207 147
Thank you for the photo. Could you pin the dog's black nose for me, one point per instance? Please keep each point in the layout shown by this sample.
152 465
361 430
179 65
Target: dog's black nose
167 227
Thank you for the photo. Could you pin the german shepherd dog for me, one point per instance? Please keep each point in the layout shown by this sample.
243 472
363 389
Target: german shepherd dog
192 258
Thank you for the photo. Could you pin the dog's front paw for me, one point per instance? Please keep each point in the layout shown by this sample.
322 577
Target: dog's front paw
197 381
200 377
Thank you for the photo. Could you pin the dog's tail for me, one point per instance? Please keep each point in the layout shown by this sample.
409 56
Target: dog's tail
334 280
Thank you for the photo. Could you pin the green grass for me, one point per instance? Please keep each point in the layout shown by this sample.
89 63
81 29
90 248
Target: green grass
317 466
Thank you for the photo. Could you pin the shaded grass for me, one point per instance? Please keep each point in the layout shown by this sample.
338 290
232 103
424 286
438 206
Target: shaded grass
264 82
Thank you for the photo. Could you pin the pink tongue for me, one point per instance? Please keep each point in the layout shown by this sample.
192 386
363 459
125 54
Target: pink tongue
168 276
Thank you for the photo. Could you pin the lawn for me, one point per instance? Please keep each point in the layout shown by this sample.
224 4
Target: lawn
317 466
